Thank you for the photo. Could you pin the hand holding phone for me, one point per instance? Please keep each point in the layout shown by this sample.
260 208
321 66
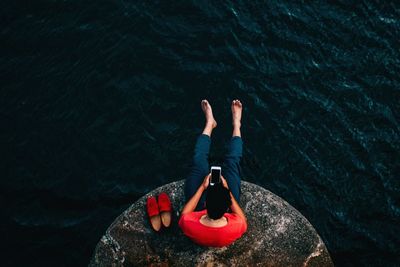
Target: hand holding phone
224 182
215 175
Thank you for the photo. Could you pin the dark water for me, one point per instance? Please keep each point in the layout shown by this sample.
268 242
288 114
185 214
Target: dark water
100 103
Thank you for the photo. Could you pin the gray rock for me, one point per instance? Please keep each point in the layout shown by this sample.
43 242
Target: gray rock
277 235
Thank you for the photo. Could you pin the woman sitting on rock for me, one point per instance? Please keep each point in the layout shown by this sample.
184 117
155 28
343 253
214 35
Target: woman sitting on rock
205 218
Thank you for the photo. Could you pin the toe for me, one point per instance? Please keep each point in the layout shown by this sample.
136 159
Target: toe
204 103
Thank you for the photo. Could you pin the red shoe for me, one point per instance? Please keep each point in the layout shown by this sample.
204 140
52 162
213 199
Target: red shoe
154 213
165 208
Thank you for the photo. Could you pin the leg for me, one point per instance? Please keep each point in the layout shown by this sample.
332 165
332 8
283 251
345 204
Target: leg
200 167
231 166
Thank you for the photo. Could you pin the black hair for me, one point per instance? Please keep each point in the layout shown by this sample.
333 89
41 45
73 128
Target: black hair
218 200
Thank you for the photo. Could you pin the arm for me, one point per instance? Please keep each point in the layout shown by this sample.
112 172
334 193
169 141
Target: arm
236 208
192 203
235 205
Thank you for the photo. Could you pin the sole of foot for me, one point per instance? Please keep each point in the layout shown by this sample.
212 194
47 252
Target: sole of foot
236 108
206 107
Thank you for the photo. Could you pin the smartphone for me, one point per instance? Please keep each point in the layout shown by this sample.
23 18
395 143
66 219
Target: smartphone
215 175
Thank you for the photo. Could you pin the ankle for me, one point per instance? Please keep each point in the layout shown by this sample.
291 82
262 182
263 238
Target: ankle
208 129
237 124
209 123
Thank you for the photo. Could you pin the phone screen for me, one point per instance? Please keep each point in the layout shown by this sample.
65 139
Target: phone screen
215 176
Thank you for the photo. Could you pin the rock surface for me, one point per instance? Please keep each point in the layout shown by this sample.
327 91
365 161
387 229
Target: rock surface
277 235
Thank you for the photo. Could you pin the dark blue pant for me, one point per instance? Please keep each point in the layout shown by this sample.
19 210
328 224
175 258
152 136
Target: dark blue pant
200 169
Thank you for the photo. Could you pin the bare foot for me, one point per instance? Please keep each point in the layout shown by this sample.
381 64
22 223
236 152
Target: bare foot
236 113
206 107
